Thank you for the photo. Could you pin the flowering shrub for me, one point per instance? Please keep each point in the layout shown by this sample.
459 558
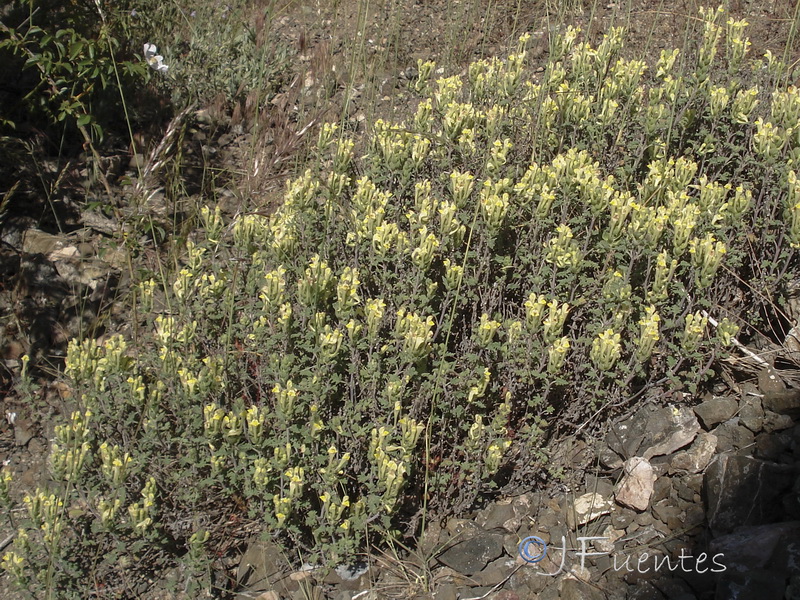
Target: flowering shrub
412 325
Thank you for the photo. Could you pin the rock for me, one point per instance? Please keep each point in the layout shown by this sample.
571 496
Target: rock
24 431
574 589
497 516
37 446
776 422
36 241
741 490
770 446
608 458
751 413
587 508
622 517
784 403
669 514
661 488
770 382
599 485
462 528
636 487
467 592
261 565
495 572
732 436
430 540
764 585
695 458
446 591
716 410
470 556
672 428
609 535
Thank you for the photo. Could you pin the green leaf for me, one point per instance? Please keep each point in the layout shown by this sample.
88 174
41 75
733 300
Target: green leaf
75 49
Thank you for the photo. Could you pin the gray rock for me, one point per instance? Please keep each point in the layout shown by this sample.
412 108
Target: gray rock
669 514
446 591
751 413
785 403
498 515
770 446
495 572
470 556
716 410
774 421
24 431
599 485
741 490
574 589
732 436
669 429
786 557
622 517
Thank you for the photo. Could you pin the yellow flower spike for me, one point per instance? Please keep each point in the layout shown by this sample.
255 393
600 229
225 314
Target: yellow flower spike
606 350
562 250
707 254
424 71
554 322
478 391
743 105
727 330
461 186
557 354
695 326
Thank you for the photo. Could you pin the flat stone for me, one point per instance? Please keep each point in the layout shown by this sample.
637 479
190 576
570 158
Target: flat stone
587 508
716 410
494 572
446 591
462 528
471 556
23 431
741 490
636 488
261 565
695 458
622 517
669 429
497 515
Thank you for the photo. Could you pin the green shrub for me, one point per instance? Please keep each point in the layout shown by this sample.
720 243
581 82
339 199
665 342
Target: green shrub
426 309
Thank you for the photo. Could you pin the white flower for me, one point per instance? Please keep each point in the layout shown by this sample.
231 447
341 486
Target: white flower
153 59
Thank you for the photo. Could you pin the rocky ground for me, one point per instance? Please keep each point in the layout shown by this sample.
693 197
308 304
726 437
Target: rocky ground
682 503
682 499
